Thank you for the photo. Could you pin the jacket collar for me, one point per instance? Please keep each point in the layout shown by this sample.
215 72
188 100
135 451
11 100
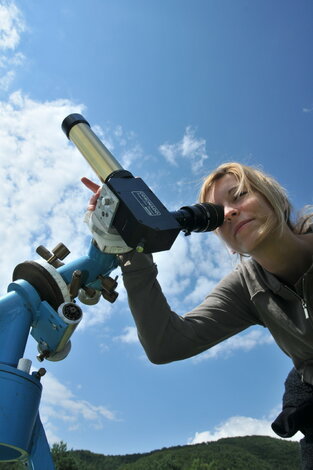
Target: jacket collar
261 280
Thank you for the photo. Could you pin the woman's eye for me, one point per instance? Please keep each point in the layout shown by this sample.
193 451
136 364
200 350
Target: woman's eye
237 196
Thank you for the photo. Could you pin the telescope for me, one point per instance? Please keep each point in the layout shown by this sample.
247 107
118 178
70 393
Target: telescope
41 299
127 206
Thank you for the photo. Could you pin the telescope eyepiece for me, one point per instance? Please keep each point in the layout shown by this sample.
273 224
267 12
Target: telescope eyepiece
202 217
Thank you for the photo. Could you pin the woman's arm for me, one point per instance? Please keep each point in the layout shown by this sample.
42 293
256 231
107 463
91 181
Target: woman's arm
168 337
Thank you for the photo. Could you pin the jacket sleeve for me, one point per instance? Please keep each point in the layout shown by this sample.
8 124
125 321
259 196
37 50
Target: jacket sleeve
168 337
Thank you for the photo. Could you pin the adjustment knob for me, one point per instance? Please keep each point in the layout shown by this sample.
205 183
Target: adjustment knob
60 251
108 288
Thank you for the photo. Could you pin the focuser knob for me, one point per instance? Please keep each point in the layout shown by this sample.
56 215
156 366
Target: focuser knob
59 252
108 288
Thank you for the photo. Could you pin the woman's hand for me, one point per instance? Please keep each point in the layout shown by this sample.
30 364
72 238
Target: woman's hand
95 188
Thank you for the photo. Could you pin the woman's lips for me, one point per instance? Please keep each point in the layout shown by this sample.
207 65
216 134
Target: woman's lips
240 225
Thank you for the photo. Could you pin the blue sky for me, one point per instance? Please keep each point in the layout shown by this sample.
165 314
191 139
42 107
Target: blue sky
173 88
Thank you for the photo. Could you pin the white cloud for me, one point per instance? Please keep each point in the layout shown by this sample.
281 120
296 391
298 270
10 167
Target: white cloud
129 335
307 109
240 342
9 65
238 426
95 314
189 147
175 268
131 155
211 255
11 26
202 287
40 191
128 150
7 79
202 256
61 408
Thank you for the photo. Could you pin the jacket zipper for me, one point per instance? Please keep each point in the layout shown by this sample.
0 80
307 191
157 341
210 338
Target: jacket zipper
305 309
304 304
302 300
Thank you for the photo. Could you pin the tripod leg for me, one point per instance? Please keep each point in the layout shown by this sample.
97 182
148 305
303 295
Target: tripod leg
40 456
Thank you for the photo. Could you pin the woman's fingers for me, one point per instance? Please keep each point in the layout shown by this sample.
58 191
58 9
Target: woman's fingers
90 184
96 189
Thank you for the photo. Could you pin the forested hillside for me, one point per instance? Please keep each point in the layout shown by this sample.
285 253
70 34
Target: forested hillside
240 453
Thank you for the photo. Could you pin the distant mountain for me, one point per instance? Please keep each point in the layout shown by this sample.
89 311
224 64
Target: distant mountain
236 453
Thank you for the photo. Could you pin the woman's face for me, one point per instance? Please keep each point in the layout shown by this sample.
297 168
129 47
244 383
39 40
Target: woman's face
245 215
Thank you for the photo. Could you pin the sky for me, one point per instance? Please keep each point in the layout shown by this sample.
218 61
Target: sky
173 88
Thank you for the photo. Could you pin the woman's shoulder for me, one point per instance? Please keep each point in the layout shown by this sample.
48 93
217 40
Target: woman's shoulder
252 275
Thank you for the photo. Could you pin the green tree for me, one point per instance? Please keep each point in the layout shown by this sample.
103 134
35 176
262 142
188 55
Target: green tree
198 464
61 457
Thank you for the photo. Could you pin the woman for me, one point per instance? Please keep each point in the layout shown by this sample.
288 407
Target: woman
270 287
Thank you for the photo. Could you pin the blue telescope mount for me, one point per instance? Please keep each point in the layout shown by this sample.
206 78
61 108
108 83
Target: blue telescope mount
41 302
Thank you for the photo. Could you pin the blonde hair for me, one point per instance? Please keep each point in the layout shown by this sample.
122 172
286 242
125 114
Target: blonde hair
252 179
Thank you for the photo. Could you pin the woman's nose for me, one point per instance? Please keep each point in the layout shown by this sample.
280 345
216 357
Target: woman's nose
230 212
